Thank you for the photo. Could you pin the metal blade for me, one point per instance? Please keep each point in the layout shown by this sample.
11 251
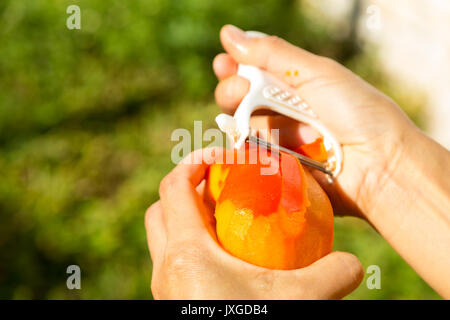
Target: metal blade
303 159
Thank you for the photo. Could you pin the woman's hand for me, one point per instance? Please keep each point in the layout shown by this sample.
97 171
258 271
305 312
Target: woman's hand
393 175
370 126
188 263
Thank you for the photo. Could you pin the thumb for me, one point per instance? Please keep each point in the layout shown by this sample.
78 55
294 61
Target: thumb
332 277
275 55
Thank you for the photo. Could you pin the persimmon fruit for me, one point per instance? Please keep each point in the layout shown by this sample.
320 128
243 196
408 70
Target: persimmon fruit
278 221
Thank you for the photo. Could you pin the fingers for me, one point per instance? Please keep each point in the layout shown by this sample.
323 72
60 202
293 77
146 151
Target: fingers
230 92
332 277
324 84
272 54
184 211
232 89
224 66
291 64
156 232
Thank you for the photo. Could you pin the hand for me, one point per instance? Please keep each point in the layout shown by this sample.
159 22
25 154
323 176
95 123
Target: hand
370 126
393 175
188 263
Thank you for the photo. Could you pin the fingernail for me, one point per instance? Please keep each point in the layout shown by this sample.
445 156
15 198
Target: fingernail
255 34
236 34
238 38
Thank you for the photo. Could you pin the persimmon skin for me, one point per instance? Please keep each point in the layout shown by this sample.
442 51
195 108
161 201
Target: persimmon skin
315 150
286 224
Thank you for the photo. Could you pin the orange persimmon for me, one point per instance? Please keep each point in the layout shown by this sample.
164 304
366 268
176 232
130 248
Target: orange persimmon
279 221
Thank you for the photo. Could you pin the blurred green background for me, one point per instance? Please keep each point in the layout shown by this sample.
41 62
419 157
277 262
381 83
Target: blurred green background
85 123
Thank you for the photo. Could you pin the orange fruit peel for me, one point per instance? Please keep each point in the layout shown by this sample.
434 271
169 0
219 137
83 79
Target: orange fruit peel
315 150
278 221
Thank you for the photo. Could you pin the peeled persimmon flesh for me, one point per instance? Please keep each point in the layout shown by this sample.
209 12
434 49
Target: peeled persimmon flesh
282 220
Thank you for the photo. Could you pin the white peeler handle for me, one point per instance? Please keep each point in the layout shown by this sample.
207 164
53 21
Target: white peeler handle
268 92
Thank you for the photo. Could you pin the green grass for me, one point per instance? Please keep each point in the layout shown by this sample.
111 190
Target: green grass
85 124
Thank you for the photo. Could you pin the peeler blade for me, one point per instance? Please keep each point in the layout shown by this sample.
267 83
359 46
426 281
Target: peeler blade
303 159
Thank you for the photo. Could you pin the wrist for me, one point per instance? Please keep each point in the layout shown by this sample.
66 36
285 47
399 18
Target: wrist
410 179
411 208
390 172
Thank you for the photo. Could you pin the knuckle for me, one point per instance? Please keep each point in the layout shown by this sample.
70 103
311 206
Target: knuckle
183 258
329 65
167 184
272 41
156 287
150 213
183 271
153 220
265 280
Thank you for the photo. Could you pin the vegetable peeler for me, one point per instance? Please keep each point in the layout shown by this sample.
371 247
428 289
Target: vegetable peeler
268 92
